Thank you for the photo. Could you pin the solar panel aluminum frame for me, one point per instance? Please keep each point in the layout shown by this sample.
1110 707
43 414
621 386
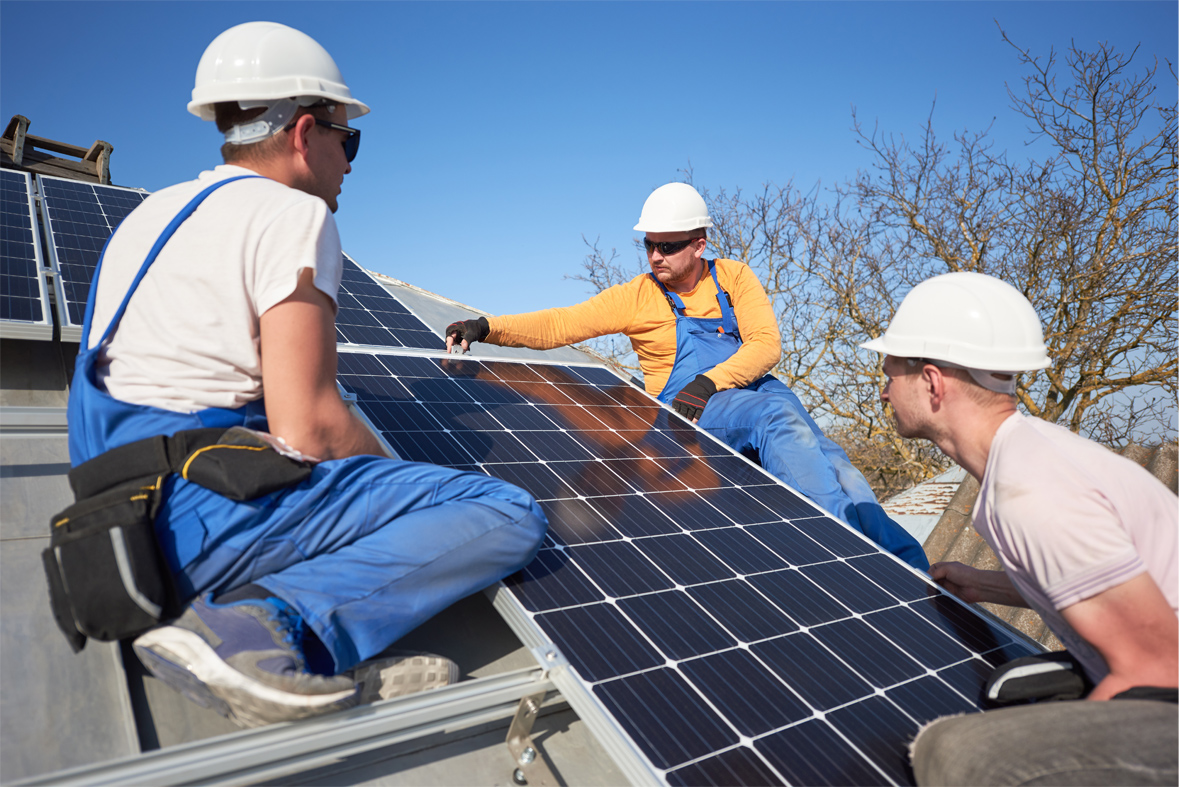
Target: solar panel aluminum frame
615 740
626 752
39 330
70 331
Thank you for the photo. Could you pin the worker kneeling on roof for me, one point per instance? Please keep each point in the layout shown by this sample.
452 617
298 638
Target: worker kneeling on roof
1086 537
283 592
707 337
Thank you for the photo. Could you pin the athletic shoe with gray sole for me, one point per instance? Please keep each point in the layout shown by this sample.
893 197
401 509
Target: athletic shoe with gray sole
397 673
244 660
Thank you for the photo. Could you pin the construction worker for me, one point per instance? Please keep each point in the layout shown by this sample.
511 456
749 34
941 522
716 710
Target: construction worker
291 590
706 337
1086 538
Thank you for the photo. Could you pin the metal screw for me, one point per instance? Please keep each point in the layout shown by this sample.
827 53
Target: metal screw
528 755
518 777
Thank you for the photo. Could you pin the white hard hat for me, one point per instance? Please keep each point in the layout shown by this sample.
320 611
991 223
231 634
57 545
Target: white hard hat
260 63
676 207
969 320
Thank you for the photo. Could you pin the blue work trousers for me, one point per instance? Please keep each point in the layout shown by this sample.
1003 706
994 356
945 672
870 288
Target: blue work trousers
767 418
366 549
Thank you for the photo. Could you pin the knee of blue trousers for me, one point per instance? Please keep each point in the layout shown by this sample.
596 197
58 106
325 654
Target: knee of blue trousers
784 439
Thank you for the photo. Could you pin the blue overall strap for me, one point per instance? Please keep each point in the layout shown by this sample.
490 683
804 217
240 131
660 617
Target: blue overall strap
728 318
726 305
168 232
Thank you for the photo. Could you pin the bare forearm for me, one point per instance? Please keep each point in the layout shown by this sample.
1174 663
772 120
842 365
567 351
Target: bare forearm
333 433
1134 628
975 585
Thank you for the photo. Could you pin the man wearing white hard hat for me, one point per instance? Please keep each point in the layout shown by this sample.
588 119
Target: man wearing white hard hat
1086 538
302 551
707 337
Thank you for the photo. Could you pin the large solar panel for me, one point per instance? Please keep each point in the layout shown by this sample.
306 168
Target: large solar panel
369 315
80 218
24 302
709 624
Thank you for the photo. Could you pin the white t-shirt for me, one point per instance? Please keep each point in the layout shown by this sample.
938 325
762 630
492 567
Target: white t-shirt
189 339
1069 519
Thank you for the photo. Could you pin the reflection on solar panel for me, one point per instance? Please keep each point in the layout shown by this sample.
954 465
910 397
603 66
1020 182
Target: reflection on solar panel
24 304
718 628
370 315
80 217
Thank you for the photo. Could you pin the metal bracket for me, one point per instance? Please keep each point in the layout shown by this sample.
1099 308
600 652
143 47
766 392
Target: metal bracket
549 657
531 766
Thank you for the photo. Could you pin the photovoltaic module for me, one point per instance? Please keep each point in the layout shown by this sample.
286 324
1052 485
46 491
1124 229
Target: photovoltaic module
24 304
711 625
368 314
80 218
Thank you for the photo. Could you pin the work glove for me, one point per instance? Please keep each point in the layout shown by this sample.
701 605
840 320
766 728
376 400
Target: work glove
691 400
466 331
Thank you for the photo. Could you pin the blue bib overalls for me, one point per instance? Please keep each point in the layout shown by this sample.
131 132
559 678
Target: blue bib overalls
766 420
365 549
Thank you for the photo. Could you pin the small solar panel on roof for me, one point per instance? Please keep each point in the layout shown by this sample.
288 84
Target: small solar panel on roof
718 622
80 218
24 305
368 314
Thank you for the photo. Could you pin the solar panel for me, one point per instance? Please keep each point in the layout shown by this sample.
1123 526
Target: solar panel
24 302
369 315
709 625
80 218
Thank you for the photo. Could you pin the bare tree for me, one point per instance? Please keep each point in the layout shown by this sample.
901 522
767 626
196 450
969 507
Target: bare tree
1083 223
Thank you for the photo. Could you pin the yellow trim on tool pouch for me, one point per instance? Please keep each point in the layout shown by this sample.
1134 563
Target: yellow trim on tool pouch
199 451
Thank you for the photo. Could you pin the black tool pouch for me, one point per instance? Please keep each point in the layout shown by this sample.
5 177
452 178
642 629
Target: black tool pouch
1047 677
242 466
107 576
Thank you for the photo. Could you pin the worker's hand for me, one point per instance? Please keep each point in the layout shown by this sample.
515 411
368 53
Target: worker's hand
973 585
691 400
464 332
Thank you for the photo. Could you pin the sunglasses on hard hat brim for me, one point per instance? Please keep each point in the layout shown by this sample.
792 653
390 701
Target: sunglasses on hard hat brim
667 247
351 142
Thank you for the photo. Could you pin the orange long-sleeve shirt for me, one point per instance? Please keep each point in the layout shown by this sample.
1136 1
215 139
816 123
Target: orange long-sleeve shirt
639 310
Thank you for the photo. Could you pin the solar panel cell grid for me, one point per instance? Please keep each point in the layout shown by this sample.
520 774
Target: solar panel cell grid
368 314
22 294
724 625
81 217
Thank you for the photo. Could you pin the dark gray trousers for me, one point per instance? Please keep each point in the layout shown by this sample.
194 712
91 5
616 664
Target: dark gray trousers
1058 743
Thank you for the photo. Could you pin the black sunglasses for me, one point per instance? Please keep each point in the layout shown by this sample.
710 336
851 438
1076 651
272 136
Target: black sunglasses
351 142
667 247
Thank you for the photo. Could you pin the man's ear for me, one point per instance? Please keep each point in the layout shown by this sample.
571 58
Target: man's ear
300 133
934 381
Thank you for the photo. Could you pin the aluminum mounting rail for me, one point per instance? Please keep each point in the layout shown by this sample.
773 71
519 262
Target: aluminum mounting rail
279 750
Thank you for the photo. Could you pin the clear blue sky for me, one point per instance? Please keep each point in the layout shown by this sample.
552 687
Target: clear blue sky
503 132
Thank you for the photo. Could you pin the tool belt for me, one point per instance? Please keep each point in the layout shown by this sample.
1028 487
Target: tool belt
107 575
1045 677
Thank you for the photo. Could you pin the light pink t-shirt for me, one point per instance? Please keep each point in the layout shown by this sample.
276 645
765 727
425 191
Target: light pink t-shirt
1069 519
190 338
